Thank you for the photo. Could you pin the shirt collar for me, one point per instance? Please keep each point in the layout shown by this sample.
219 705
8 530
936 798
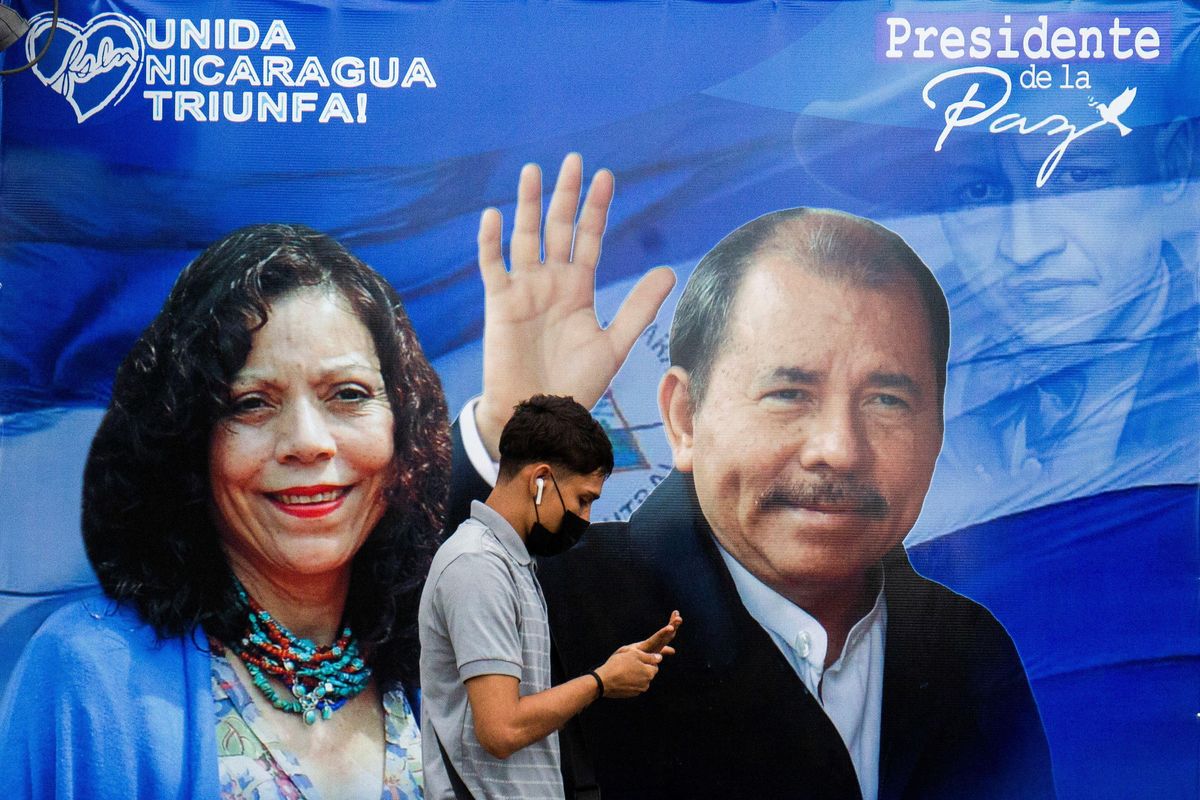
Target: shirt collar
800 630
505 533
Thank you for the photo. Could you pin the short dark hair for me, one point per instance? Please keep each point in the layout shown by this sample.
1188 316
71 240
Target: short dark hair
558 431
831 244
147 524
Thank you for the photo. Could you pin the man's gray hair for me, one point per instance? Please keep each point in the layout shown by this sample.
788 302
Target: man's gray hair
833 245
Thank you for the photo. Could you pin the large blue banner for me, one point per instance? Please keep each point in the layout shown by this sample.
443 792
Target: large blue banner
1042 158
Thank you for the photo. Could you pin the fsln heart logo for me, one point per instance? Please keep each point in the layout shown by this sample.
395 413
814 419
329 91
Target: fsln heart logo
95 65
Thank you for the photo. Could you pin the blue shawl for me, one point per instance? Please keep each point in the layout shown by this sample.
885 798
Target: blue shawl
99 707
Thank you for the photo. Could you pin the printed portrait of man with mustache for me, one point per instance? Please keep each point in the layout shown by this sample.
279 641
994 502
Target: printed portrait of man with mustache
803 406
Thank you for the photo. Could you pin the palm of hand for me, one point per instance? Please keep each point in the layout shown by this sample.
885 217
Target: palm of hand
541 334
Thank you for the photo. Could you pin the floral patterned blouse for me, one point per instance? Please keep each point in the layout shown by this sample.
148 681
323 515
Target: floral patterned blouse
254 765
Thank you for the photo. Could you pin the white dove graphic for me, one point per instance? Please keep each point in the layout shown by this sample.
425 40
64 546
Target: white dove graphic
1112 112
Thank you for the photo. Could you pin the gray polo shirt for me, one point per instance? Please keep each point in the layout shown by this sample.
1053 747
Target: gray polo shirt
483 613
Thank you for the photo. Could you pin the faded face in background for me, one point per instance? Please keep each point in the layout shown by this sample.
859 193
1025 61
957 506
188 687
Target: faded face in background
815 441
300 466
1068 262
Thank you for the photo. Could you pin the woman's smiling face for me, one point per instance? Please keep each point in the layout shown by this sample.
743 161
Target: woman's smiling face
300 465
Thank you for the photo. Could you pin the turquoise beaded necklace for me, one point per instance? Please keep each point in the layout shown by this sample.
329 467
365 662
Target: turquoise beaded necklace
321 679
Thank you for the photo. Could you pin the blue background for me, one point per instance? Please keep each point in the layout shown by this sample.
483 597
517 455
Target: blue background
1083 540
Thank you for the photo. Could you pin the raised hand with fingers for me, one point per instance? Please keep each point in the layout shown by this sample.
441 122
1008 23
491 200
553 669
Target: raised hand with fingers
541 334
628 672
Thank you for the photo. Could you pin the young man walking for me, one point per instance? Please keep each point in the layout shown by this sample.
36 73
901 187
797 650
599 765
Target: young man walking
489 716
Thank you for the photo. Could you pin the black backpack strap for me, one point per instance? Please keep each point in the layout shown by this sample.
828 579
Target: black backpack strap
461 792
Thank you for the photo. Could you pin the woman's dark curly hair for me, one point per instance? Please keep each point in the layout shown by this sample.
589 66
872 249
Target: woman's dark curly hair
147 524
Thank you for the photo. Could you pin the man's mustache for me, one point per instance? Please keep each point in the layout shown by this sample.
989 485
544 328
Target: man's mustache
842 493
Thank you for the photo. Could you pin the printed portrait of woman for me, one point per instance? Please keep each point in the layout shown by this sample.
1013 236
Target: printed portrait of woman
260 505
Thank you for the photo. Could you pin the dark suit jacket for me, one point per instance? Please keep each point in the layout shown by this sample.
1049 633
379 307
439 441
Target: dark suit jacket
727 716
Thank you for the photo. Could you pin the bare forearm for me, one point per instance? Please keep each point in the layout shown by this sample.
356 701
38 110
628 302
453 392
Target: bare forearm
505 722
534 717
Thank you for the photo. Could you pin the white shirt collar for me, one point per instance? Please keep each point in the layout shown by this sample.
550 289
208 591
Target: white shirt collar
791 624
851 690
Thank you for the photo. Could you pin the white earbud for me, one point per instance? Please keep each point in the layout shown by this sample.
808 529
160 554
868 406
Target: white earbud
541 484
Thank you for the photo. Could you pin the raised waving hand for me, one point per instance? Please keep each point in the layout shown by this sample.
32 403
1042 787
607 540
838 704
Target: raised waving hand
541 334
